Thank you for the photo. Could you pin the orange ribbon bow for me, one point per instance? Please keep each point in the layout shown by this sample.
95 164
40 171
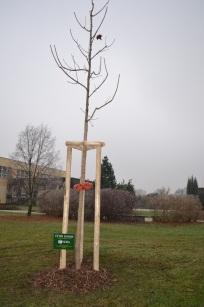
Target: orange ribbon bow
83 186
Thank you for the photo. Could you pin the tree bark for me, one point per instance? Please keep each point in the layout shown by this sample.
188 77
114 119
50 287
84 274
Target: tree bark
30 205
80 221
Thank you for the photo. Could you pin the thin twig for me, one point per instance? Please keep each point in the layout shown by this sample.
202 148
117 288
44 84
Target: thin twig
82 50
104 16
76 74
96 74
101 9
69 68
102 82
83 27
106 103
72 83
59 64
82 110
103 49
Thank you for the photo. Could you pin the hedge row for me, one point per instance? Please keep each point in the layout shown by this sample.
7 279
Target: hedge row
113 203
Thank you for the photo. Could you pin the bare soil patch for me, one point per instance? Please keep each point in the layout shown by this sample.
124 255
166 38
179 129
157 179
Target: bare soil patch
81 281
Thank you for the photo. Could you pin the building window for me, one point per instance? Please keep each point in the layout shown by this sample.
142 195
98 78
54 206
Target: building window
4 171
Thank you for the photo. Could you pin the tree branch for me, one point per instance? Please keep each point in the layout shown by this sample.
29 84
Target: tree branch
59 64
104 16
76 73
102 82
79 23
101 9
92 3
82 50
106 103
103 49
96 74
67 67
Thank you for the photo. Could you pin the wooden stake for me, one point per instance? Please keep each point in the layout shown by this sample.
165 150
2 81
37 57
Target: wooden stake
83 146
80 232
97 210
63 252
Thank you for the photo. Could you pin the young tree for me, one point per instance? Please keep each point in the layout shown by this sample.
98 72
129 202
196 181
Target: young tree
107 174
34 155
86 77
192 186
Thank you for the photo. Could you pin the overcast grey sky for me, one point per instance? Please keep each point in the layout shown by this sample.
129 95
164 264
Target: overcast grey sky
154 128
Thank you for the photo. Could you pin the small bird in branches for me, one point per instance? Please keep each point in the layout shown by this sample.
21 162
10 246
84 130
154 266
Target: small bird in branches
99 36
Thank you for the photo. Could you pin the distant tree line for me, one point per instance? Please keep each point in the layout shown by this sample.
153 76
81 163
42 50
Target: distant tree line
192 186
108 179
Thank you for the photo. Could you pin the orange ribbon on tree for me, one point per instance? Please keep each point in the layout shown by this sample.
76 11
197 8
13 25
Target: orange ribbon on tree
83 186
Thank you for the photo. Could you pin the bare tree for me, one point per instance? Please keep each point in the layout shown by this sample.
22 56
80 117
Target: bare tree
34 156
91 80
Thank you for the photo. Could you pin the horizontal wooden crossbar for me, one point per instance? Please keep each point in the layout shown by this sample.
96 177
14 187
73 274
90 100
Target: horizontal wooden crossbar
87 144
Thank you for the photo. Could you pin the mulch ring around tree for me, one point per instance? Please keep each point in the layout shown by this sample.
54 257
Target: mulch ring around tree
77 281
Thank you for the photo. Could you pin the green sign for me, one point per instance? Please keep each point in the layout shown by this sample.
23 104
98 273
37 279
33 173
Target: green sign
63 241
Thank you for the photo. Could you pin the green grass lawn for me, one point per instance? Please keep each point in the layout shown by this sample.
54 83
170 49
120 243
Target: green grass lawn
148 213
154 265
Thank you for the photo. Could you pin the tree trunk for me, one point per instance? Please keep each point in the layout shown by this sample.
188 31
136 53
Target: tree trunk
30 205
30 187
80 221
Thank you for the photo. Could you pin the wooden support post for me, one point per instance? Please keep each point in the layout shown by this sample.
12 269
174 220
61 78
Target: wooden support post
80 232
97 210
63 253
82 146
